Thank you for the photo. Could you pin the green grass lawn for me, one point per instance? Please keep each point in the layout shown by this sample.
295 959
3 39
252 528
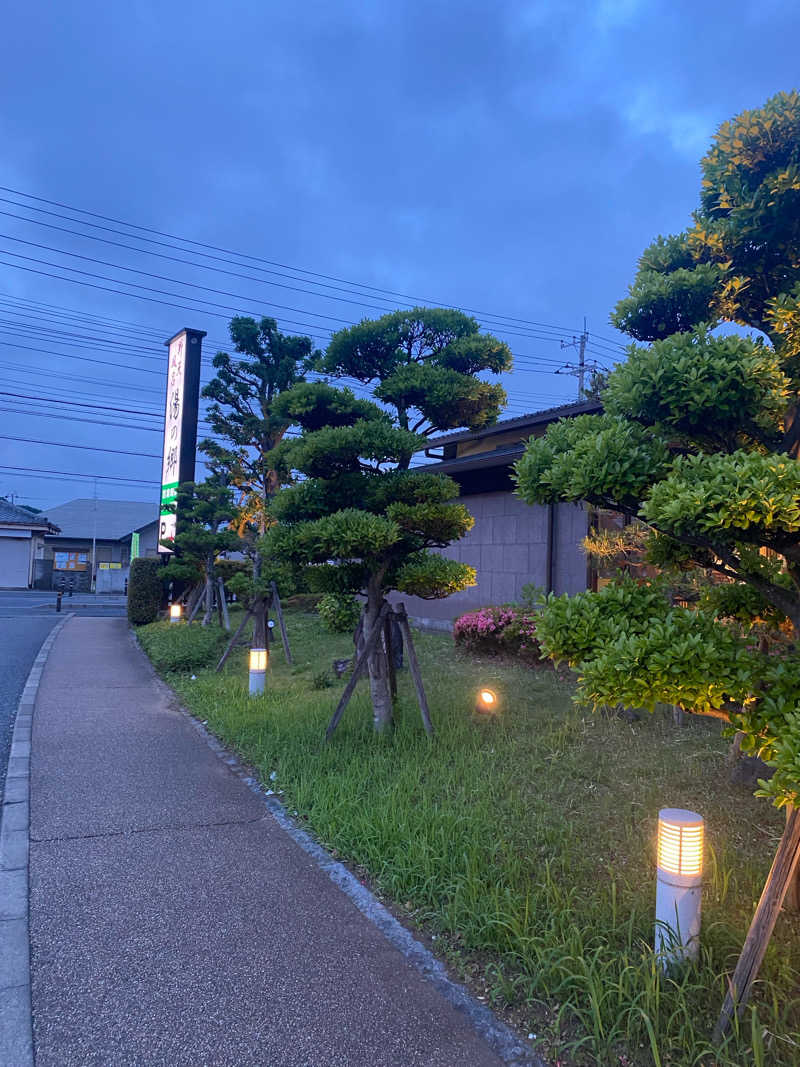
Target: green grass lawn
522 848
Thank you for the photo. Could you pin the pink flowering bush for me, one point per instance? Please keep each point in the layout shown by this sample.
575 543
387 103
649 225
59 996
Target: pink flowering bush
506 629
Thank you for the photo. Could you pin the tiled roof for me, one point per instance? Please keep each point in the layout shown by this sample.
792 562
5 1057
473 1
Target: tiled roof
108 520
10 514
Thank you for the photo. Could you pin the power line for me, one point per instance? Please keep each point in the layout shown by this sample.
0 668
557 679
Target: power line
77 474
257 259
88 448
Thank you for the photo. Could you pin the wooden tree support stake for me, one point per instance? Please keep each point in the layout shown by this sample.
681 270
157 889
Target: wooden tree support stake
783 870
200 592
223 603
276 600
235 638
358 667
387 641
413 664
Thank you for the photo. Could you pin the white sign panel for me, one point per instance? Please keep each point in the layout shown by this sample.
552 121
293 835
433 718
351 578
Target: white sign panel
173 427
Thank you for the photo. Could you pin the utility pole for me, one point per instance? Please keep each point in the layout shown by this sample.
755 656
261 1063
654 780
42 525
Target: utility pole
579 369
92 576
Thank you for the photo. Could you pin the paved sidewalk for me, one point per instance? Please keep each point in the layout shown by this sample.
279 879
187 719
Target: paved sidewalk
173 921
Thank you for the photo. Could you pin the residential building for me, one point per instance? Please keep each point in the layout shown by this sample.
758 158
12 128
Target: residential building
511 544
65 561
21 537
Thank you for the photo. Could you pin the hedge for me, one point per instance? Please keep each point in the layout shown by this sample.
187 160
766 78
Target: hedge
145 591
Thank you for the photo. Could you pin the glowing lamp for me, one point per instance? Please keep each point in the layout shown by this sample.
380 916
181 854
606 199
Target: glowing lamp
486 702
175 612
679 884
259 661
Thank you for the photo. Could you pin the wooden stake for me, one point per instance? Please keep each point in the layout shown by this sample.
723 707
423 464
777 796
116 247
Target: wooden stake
198 603
358 668
387 641
783 870
223 603
413 664
235 638
276 600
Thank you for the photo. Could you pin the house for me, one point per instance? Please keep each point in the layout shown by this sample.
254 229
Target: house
22 535
511 544
111 526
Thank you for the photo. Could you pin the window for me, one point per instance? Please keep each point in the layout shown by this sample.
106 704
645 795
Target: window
70 561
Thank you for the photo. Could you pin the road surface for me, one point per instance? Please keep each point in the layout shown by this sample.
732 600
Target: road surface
26 618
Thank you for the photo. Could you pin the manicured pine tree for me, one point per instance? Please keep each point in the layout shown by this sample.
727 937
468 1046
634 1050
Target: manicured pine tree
244 391
205 516
360 521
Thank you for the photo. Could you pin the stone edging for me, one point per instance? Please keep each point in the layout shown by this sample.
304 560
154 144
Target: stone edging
16 1031
497 1035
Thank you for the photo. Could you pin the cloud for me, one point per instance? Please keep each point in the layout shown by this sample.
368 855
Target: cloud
687 131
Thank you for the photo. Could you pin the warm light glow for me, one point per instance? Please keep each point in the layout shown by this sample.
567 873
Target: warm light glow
259 658
680 842
488 697
175 611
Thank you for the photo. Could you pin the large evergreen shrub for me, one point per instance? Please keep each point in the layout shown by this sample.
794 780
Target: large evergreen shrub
145 591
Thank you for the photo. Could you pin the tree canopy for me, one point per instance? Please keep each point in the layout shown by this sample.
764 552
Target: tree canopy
358 519
244 391
699 441
425 364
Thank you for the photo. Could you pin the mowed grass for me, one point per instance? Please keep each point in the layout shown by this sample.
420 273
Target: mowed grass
525 845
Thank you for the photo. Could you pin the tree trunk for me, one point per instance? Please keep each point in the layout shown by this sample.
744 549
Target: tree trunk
376 664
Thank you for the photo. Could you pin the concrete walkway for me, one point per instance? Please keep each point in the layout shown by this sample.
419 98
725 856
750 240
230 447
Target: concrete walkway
173 921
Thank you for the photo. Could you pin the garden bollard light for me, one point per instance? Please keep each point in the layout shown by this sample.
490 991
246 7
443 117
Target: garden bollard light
679 885
487 702
175 611
259 660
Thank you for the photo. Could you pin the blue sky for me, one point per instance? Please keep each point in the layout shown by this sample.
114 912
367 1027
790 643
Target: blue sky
512 157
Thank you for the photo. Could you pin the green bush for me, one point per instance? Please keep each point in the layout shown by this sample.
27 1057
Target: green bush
339 613
145 591
178 647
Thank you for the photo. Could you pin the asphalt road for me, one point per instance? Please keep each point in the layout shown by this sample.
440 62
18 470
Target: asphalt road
26 618
31 603
20 640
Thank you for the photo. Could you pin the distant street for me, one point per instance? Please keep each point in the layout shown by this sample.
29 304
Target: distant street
31 603
26 618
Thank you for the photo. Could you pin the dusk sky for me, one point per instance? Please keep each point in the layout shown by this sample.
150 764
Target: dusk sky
510 158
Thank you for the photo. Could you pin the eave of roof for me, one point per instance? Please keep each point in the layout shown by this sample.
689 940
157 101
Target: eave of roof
520 422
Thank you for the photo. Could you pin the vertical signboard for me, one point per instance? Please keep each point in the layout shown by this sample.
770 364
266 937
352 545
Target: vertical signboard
180 426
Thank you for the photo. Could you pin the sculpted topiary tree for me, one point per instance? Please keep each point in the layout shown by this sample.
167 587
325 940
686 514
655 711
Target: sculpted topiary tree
205 517
360 521
699 440
244 390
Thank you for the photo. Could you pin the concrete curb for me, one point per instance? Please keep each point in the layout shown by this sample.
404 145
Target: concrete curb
497 1035
16 1031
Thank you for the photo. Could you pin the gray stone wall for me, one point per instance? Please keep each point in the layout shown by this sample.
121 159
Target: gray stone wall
508 548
